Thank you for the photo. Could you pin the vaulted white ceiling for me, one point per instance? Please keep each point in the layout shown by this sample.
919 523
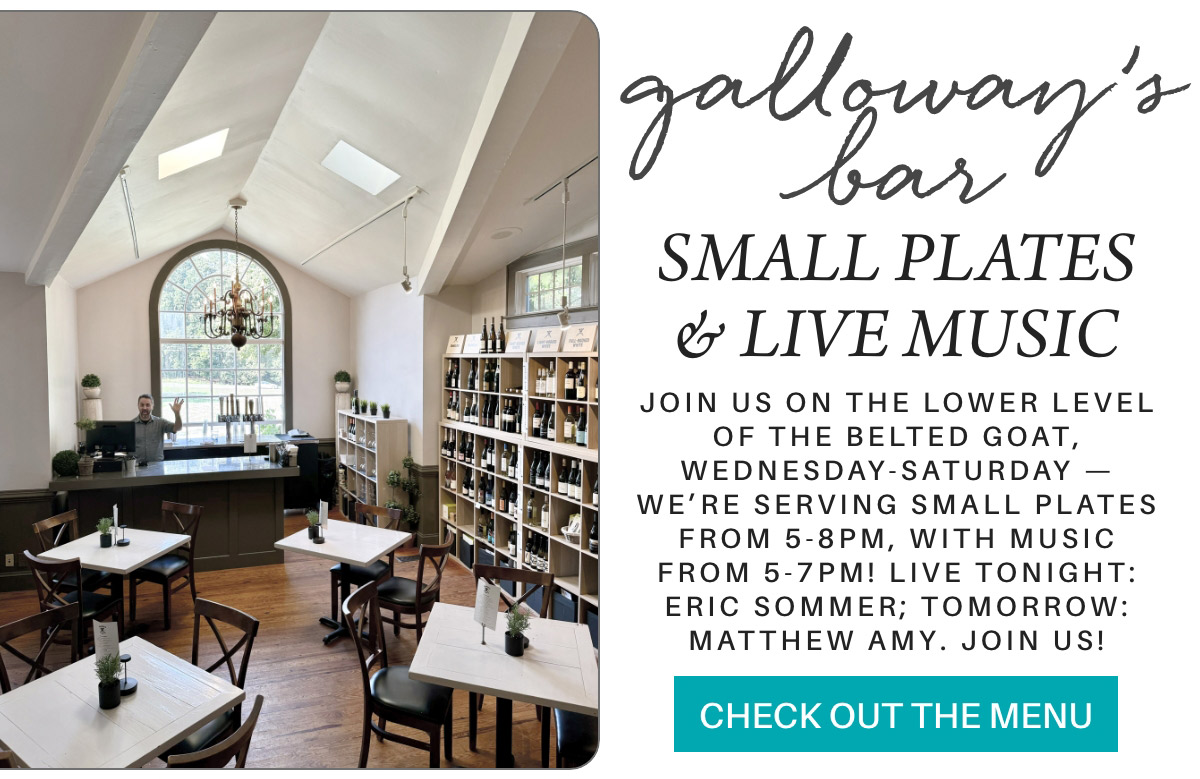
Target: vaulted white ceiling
481 111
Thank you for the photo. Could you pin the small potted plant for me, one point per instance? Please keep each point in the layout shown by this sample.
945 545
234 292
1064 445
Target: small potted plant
341 381
387 411
91 386
110 689
105 526
86 463
66 463
374 408
514 637
314 524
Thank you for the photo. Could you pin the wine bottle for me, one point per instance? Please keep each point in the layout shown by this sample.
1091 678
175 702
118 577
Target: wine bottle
483 338
569 382
528 547
550 435
569 425
545 513
562 478
503 339
529 513
512 534
596 492
512 465
578 481
594 536
580 384
494 341
581 428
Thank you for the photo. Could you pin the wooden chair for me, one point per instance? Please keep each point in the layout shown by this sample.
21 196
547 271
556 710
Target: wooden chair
58 584
46 623
176 518
389 693
218 755
7 760
532 581
58 530
415 597
213 732
378 571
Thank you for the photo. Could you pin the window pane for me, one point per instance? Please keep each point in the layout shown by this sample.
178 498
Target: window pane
272 407
270 355
195 327
576 297
173 298
272 381
172 384
531 285
531 303
247 382
222 383
195 300
247 356
184 275
170 325
199 358
558 279
224 356
575 275
195 411
545 281
207 263
172 357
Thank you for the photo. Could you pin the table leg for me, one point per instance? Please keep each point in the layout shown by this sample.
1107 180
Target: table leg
340 628
504 756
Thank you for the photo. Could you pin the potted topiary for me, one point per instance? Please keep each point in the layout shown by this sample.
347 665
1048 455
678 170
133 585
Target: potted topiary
514 637
91 386
374 408
314 524
107 668
66 463
105 526
341 381
86 463
387 411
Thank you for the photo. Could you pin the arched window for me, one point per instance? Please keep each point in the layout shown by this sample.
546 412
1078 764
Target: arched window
186 363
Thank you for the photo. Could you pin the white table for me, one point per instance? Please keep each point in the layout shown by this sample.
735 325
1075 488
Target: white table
144 546
56 721
348 543
558 668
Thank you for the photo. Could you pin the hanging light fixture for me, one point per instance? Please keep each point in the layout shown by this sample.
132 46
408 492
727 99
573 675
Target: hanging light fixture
407 283
241 313
564 316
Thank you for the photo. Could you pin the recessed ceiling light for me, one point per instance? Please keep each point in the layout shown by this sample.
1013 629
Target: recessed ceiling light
505 232
192 154
359 169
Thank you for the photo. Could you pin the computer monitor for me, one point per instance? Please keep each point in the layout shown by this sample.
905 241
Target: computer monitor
112 437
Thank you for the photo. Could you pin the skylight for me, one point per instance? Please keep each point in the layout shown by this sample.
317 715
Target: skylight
359 169
191 154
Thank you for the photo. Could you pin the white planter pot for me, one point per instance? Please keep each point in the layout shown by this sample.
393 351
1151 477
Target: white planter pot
91 392
341 386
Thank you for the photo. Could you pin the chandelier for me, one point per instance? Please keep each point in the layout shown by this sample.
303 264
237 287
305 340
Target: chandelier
241 314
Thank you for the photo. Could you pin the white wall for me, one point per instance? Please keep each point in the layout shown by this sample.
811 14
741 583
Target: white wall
62 353
447 314
24 408
387 331
489 299
114 339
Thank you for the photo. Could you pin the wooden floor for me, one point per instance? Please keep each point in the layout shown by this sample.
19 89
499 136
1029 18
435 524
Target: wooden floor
313 708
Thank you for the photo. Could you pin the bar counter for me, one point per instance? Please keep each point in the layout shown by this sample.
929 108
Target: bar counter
242 497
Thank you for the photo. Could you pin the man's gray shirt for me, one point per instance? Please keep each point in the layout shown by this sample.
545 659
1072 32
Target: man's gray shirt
148 437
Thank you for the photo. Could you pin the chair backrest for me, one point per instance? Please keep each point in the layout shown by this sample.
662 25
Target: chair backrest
217 612
531 579
7 760
182 518
218 755
361 614
55 580
57 530
378 516
47 624
437 554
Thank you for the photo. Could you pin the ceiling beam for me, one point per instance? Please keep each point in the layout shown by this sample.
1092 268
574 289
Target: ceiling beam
160 49
531 51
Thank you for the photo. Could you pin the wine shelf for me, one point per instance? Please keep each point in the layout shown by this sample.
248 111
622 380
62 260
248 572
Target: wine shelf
466 518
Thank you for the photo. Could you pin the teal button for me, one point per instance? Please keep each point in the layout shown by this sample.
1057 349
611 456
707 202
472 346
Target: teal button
895 714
